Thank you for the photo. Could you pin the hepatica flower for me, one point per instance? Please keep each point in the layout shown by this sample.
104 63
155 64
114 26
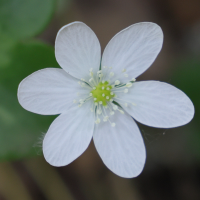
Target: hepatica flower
98 97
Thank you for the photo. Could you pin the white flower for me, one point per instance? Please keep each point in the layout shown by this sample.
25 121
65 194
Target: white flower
96 98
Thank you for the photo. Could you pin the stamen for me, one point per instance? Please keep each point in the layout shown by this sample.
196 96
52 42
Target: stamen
126 91
129 84
99 111
111 74
97 121
112 113
103 88
105 119
133 79
115 107
121 111
107 97
103 95
113 124
117 82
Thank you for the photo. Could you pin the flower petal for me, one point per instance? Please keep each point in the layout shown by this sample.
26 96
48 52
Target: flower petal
77 50
157 104
134 49
121 147
49 91
69 135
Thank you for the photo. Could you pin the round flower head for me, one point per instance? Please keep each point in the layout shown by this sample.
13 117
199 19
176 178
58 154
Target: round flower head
98 97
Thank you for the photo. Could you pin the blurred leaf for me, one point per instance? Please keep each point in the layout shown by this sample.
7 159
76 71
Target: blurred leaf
186 78
25 18
20 129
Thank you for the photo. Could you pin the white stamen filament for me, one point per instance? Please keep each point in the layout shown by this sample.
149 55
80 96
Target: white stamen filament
101 104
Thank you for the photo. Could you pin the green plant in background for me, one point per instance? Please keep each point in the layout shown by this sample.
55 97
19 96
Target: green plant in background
20 55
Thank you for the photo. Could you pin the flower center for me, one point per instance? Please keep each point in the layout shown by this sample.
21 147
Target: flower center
102 93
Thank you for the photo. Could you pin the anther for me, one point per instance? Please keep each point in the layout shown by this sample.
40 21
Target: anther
126 90
115 107
95 99
94 88
117 82
112 113
91 73
81 101
100 102
121 111
99 112
111 93
103 95
97 121
103 88
113 124
99 72
107 88
90 94
105 119
129 84
107 97
111 74
103 81
133 79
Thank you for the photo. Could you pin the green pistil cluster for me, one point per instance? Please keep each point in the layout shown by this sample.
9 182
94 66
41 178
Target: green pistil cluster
102 93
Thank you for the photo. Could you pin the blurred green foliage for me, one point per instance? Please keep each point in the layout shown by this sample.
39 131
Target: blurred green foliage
25 18
186 77
20 56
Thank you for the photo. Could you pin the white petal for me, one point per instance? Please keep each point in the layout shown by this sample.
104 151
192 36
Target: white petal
77 50
134 49
121 147
69 135
158 104
49 91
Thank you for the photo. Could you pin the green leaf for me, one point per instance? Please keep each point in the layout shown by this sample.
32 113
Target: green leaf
186 78
25 18
20 129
